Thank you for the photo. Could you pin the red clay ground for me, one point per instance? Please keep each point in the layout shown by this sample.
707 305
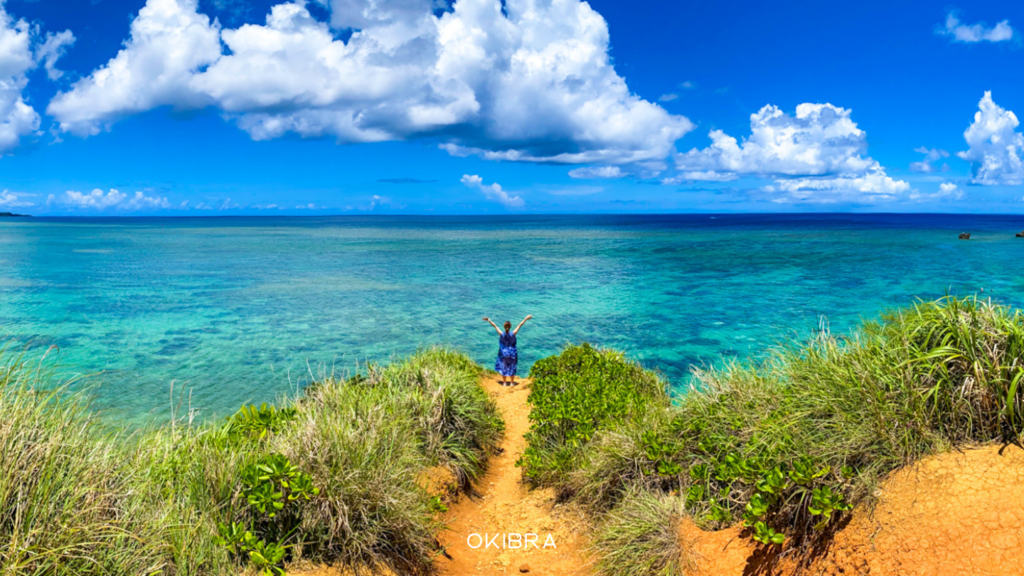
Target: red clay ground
506 506
960 513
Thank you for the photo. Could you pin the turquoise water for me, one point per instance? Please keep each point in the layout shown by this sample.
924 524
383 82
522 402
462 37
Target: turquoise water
244 309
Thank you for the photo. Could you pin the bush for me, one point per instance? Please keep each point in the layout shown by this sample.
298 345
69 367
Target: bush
331 476
573 395
786 445
789 443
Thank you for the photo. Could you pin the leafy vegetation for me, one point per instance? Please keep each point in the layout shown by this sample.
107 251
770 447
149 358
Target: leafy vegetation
574 395
789 443
330 476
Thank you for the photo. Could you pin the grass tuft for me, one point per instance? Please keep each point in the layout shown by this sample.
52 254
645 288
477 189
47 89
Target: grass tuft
642 537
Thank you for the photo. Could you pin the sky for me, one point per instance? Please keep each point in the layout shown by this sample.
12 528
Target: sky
220 107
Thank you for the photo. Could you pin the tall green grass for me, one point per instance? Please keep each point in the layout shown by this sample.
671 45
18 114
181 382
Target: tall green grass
76 498
788 443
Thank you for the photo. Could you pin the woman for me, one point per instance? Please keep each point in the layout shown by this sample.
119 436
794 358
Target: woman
508 356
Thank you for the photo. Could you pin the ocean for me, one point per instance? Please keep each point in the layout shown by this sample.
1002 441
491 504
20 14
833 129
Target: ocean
210 313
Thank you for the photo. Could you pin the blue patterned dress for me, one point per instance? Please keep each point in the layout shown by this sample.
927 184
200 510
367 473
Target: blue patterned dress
508 356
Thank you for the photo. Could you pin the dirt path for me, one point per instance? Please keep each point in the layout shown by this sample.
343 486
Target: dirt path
506 507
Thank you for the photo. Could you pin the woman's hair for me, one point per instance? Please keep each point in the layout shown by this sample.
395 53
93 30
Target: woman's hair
508 325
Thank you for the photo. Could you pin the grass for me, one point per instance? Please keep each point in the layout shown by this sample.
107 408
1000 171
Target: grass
641 537
789 443
342 460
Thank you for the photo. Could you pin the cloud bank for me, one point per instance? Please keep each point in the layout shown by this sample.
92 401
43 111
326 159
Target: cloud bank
520 80
112 200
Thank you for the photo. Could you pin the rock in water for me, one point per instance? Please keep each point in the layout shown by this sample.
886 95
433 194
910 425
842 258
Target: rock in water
1020 234
965 235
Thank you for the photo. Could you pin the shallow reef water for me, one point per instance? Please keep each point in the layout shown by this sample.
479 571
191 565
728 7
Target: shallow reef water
245 309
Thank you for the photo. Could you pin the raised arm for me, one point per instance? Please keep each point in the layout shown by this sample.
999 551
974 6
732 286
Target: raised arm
516 331
488 320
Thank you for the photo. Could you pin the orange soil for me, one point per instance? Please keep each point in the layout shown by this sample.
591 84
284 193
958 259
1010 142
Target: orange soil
500 505
505 506
951 514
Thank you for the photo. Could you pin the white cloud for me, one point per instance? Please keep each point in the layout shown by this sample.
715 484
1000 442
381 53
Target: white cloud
995 147
873 186
820 140
688 85
526 80
597 172
168 45
13 200
17 118
970 34
493 191
668 97
946 190
52 48
98 201
700 176
930 156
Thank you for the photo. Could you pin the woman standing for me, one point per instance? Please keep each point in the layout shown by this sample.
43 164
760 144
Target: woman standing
508 355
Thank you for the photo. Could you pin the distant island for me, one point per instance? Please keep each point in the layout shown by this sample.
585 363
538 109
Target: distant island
13 215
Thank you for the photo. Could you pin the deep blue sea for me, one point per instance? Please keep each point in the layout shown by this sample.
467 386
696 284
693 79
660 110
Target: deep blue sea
243 309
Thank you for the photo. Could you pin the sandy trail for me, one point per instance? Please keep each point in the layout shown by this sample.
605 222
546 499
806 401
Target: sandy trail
505 506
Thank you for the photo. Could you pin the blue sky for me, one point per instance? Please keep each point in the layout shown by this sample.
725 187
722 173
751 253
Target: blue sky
476 106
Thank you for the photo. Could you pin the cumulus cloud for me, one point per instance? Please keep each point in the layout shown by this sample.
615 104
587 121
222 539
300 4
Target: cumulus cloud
524 80
820 139
493 191
931 156
973 33
668 97
820 144
12 200
597 172
112 200
17 38
995 147
169 43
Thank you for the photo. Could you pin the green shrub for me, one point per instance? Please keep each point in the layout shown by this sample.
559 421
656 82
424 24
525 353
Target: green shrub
330 476
790 443
575 394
